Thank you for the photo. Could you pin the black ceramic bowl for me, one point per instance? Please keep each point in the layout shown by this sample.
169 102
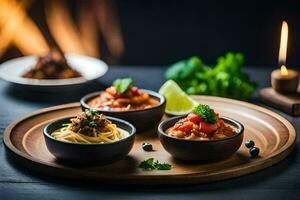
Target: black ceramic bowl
142 119
200 151
89 153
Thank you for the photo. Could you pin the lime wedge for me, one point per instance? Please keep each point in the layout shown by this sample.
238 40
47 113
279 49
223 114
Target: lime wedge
178 102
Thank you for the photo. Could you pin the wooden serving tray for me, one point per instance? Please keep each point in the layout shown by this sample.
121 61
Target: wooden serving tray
273 134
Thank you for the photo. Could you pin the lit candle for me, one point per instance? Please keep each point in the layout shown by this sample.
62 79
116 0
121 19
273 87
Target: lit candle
284 80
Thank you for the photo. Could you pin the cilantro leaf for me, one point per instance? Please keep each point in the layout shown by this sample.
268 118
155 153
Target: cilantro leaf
147 164
206 113
184 69
162 166
92 124
122 85
226 78
150 164
91 112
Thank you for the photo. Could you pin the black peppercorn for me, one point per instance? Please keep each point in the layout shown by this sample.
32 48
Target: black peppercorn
254 151
147 146
249 143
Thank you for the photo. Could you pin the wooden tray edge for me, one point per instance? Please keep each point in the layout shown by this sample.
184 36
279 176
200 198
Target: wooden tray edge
26 160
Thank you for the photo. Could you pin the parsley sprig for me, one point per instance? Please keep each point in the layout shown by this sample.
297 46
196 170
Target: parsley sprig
92 124
91 112
226 78
206 113
122 85
150 164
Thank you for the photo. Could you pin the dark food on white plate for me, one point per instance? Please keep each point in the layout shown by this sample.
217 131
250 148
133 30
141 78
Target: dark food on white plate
52 66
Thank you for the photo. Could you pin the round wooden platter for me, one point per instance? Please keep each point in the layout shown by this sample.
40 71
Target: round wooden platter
273 134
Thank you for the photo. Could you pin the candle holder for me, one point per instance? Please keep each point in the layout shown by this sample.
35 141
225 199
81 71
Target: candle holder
283 95
287 82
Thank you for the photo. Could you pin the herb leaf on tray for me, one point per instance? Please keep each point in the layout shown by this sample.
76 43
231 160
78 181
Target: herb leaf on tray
225 79
162 166
150 164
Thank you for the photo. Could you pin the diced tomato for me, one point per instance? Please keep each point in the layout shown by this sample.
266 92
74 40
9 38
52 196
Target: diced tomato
207 128
194 118
177 125
135 91
187 126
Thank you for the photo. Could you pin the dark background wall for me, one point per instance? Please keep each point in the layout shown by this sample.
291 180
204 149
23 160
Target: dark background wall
161 32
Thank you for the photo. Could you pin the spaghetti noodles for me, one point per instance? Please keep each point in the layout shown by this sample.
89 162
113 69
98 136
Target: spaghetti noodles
90 128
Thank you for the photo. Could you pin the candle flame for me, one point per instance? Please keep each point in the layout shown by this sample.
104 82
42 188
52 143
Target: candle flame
283 43
284 71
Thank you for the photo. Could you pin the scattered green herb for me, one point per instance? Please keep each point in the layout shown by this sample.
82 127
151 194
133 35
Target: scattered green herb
65 125
92 124
162 166
91 112
150 164
225 79
147 164
206 113
122 85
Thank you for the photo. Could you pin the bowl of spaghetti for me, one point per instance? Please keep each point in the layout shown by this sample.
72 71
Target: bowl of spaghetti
143 108
89 137
201 136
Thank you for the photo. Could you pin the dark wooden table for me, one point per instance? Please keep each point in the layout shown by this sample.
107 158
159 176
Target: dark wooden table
281 181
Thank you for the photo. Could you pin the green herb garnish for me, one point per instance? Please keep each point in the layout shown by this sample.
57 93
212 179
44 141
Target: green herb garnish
91 112
122 85
225 79
65 125
90 121
92 124
206 113
162 166
150 164
147 164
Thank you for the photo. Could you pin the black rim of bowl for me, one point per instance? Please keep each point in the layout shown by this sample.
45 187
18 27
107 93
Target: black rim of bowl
162 101
240 130
131 134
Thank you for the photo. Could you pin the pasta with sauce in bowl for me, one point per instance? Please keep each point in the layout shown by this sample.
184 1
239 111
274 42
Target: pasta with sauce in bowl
143 108
201 136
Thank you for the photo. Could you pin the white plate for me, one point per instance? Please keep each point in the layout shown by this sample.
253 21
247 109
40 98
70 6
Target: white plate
90 68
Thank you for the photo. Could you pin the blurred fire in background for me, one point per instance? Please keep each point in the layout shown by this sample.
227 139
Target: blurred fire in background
154 32
90 28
